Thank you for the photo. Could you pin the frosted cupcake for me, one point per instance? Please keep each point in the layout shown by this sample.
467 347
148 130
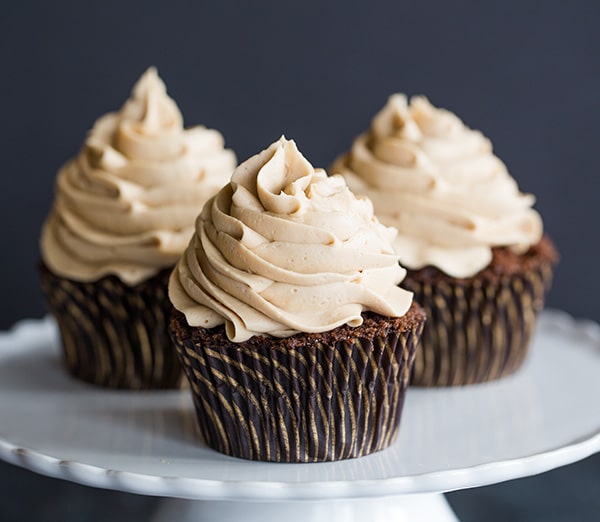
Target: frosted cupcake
290 326
123 213
474 247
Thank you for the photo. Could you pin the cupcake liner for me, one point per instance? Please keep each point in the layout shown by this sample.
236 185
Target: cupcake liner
478 329
322 398
114 335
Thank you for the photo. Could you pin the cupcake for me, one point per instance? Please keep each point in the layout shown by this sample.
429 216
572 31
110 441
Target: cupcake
123 213
477 258
287 318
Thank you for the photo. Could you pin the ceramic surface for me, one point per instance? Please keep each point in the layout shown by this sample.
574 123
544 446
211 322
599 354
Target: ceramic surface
147 442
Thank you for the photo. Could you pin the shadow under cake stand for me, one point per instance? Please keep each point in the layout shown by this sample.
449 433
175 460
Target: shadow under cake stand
543 417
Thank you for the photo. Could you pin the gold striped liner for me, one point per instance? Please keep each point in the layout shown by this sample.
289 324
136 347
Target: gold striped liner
477 330
114 335
309 403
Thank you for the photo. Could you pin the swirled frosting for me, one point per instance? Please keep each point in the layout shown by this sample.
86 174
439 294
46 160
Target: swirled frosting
126 205
284 249
440 185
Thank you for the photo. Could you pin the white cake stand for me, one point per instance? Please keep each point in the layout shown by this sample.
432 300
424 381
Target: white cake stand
545 416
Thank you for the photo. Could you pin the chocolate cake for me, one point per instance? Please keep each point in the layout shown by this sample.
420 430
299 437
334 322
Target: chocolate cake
471 240
123 213
479 327
114 335
311 397
289 322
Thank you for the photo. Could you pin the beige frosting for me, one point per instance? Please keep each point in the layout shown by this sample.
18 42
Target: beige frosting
126 205
285 249
440 185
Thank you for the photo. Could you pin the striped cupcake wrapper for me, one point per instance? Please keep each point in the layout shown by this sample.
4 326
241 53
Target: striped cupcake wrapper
309 404
114 335
477 330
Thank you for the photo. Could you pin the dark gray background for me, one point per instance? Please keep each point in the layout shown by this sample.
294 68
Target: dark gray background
526 73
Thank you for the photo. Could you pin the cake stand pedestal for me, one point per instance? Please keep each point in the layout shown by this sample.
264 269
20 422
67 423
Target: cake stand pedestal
404 508
543 417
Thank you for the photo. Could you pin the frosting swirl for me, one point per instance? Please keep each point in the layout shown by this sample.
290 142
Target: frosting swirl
440 185
284 249
126 205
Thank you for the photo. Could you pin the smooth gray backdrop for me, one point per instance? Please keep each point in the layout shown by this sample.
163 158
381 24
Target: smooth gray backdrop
524 72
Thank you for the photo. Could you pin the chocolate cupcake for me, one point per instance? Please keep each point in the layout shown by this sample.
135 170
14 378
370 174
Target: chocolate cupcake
289 323
123 213
474 247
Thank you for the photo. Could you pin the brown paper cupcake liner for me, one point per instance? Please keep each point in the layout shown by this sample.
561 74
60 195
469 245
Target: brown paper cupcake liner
478 329
114 335
307 398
